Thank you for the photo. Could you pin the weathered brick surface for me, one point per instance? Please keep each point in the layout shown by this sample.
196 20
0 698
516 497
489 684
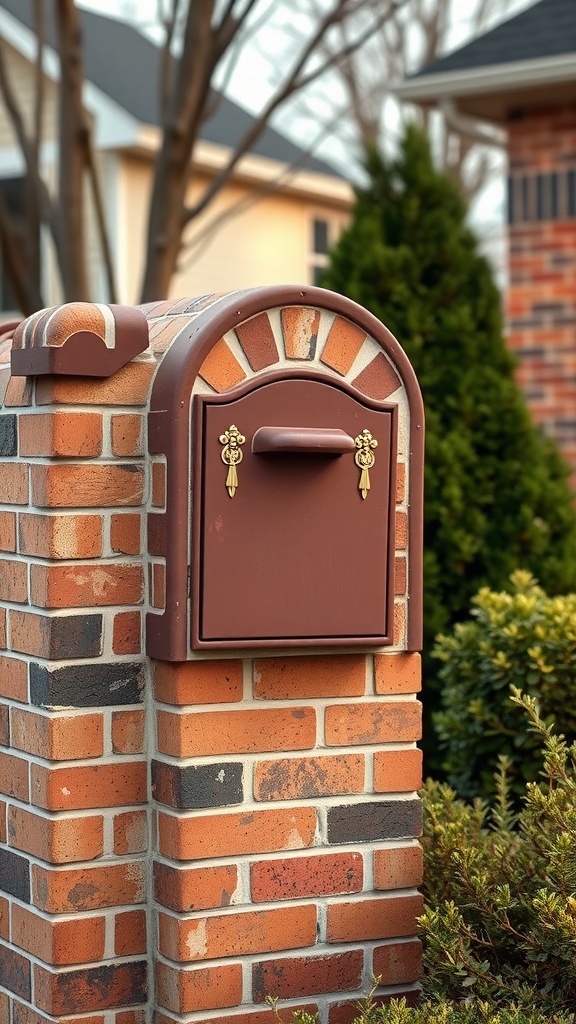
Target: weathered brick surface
234 806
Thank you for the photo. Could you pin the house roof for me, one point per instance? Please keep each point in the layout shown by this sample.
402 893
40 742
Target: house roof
124 65
528 60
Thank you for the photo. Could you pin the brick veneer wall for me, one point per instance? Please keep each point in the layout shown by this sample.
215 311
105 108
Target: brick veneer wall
189 836
542 260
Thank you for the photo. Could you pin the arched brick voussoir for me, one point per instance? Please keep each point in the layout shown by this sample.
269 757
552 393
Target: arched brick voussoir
79 339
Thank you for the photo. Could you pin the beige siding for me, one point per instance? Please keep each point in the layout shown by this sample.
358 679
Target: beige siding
268 242
21 77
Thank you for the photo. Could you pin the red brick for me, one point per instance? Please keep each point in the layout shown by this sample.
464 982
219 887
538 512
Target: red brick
382 722
130 933
289 978
4 920
128 733
280 1015
7 531
14 776
158 585
71 941
127 434
93 988
398 962
13 679
13 581
86 486
18 392
85 586
61 434
55 638
400 577
128 386
220 368
183 888
65 890
130 833
341 675
229 835
257 339
382 918
82 787
197 733
398 867
158 484
237 934
298 877
60 536
400 482
401 532
125 531
342 345
198 682
202 988
13 483
57 739
55 840
4 725
379 379
300 326
397 771
308 777
127 630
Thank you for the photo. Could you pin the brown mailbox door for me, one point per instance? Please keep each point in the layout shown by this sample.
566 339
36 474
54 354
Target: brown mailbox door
297 555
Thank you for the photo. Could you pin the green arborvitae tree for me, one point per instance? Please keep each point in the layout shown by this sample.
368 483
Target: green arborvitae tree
496 496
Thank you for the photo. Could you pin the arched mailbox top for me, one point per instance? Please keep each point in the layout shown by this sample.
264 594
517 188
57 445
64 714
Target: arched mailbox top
234 346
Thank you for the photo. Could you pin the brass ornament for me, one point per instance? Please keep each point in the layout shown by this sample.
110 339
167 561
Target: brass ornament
365 459
232 456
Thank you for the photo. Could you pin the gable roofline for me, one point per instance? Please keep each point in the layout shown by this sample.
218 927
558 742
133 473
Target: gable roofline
525 62
125 88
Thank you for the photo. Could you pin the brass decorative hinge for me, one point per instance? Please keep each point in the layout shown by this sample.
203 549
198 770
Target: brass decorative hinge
365 459
232 456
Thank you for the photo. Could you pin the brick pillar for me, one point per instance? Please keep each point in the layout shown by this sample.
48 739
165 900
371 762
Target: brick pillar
73 771
257 810
541 305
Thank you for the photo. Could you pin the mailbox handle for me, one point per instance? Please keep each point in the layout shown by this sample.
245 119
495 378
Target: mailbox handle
303 440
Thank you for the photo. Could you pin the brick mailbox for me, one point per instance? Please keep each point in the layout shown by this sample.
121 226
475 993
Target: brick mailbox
210 613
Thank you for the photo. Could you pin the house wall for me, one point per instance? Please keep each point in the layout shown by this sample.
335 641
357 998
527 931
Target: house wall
242 252
541 304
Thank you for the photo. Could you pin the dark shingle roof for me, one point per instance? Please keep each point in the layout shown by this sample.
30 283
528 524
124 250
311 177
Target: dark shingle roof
124 64
547 29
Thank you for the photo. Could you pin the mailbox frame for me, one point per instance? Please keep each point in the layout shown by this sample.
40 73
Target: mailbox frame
198 516
169 437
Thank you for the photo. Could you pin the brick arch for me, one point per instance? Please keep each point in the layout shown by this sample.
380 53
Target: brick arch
219 344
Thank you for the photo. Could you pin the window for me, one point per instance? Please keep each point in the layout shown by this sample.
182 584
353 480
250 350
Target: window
324 232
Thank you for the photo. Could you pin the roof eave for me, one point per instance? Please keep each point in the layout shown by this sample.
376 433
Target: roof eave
254 170
429 89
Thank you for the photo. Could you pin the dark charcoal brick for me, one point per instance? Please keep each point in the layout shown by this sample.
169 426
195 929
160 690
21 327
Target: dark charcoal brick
87 686
70 636
15 972
8 435
370 822
15 875
95 988
207 785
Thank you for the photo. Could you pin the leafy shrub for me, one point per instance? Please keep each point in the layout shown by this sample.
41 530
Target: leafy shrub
524 639
500 886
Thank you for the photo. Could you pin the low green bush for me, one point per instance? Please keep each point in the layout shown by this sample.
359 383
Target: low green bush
525 639
500 885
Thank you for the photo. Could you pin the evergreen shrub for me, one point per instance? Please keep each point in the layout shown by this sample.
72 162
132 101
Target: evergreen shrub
496 496
524 639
